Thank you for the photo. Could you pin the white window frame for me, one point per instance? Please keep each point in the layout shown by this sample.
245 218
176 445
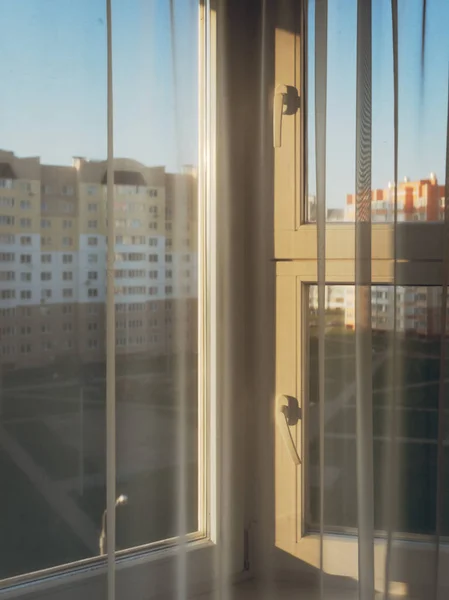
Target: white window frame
151 567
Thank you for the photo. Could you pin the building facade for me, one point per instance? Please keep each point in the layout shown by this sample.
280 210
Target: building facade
53 258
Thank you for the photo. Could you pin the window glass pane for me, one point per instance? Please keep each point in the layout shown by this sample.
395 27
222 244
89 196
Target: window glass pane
418 370
53 258
52 365
156 299
422 112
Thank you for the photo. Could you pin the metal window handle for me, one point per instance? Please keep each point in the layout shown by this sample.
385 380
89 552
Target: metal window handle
285 102
288 414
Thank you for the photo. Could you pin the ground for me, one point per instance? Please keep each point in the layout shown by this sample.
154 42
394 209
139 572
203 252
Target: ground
416 400
52 460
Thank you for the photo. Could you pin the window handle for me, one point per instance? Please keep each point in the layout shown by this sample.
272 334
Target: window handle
288 414
285 102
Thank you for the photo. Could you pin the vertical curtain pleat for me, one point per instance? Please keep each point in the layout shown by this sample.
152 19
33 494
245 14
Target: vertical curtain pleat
391 495
364 403
441 384
320 149
110 325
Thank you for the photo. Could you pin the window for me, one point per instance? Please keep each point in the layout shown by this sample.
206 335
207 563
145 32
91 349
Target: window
67 293
168 289
7 256
46 276
92 224
25 348
67 207
67 276
152 225
67 326
92 207
67 259
169 258
25 259
92 241
7 275
25 276
45 240
152 274
46 294
7 294
152 290
68 190
67 241
5 220
92 326
67 309
92 344
25 223
46 328
25 204
46 345
6 184
67 224
6 202
6 238
92 293
152 241
153 258
45 258
92 275
25 295
92 258
92 191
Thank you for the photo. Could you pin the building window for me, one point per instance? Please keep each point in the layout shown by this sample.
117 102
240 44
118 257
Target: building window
67 224
92 275
25 348
92 241
153 258
45 240
67 326
25 295
7 256
25 204
25 223
45 276
92 224
45 258
7 275
46 294
67 241
6 202
168 289
45 223
67 293
67 309
67 259
68 190
25 277
92 258
92 207
152 290
7 294
92 327
168 273
152 241
25 240
67 276
92 344
25 259
92 293
169 258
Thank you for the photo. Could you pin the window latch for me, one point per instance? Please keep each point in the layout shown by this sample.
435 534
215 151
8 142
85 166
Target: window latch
286 102
288 414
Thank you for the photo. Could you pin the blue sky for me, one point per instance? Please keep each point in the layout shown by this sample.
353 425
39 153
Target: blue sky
53 73
422 101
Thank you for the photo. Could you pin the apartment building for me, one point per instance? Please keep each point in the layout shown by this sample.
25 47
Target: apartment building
417 308
53 255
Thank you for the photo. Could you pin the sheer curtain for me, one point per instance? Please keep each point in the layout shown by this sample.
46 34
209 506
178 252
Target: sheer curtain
381 351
